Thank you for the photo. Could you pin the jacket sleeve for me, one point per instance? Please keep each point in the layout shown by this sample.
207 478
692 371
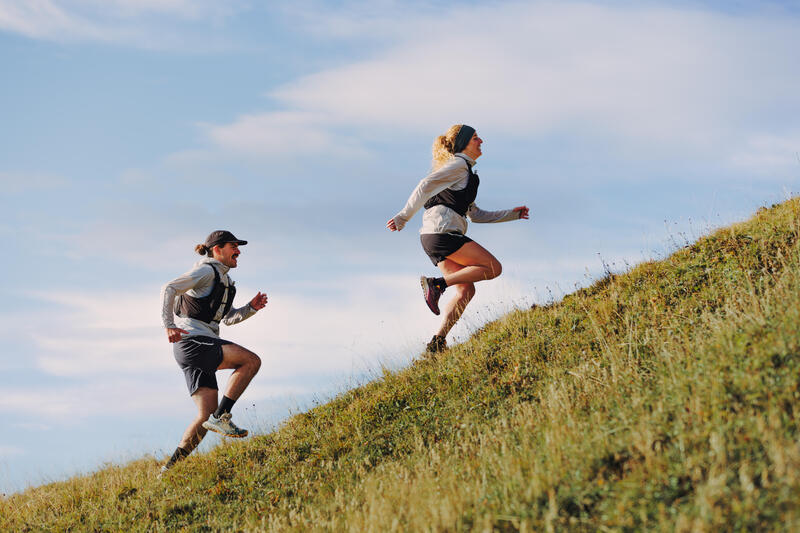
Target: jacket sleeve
196 277
478 215
430 186
235 316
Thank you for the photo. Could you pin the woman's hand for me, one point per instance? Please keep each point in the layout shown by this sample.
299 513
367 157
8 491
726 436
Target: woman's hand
174 334
391 225
259 301
523 212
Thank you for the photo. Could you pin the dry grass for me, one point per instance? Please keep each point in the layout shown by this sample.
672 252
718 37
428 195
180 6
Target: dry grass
664 398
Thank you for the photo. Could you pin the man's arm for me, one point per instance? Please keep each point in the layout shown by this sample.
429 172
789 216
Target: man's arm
197 277
235 316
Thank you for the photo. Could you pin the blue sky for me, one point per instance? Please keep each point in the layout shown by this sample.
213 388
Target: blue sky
129 129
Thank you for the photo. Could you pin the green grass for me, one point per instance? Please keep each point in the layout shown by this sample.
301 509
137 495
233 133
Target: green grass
660 399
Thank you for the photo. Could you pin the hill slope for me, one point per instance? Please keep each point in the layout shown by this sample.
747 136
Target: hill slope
665 398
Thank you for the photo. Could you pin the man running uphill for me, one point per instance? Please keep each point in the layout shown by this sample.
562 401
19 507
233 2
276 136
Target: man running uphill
201 299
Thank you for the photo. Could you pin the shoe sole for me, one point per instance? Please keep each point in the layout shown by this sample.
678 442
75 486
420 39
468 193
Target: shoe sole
425 288
215 430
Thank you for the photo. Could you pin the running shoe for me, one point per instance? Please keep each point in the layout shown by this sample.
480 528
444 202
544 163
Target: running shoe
437 344
162 471
224 426
431 292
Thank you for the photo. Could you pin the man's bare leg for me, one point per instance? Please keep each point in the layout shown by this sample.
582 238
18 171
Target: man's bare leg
206 401
245 365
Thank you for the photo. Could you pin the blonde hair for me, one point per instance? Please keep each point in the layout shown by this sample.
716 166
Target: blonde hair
443 147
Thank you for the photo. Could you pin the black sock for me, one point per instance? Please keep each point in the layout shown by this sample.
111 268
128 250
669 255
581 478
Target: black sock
440 282
225 406
179 454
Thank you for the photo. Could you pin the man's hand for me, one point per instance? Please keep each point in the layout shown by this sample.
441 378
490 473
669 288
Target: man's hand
174 334
258 301
523 212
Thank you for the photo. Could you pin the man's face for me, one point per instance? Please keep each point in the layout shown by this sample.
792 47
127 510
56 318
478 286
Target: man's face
227 254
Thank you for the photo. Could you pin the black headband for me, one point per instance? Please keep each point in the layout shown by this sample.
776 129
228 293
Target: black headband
463 138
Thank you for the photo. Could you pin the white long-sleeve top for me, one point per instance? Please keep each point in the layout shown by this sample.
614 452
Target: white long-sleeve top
439 218
199 282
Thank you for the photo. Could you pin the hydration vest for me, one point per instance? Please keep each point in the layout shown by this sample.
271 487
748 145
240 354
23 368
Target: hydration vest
205 308
458 201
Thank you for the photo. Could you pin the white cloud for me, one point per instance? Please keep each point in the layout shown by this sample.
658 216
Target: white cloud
98 333
60 404
769 153
47 19
9 451
270 134
369 321
188 9
20 182
134 22
348 328
656 80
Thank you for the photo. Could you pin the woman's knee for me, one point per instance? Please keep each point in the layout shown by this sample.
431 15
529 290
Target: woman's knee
494 268
465 291
255 363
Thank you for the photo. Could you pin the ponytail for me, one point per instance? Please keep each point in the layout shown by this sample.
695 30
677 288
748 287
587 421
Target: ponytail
444 147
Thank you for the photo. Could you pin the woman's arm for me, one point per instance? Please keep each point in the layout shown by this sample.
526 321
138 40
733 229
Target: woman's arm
431 185
478 215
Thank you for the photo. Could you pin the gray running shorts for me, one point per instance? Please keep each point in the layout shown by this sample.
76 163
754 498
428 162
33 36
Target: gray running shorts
439 245
199 358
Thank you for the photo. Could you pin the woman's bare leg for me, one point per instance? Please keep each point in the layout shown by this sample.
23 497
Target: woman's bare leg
463 294
477 264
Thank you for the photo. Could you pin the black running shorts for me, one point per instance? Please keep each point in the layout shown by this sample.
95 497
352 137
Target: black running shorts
199 358
439 245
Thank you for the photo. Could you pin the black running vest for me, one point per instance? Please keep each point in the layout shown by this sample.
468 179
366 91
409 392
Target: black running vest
205 308
458 201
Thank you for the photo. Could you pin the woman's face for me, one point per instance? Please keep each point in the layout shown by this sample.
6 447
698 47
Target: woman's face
473 148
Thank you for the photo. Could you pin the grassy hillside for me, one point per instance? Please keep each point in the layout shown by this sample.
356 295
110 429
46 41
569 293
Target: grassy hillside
665 398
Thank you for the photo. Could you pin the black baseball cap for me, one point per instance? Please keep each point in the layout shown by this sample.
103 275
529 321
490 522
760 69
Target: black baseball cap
221 236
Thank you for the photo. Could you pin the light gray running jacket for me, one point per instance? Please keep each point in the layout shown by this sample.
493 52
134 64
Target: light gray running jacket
199 282
440 218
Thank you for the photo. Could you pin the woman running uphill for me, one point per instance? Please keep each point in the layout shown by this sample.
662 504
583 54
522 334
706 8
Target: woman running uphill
201 299
448 195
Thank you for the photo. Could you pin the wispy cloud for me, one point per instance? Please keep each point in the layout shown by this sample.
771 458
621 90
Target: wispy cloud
276 133
130 22
46 19
769 154
654 81
120 396
101 333
21 182
9 451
